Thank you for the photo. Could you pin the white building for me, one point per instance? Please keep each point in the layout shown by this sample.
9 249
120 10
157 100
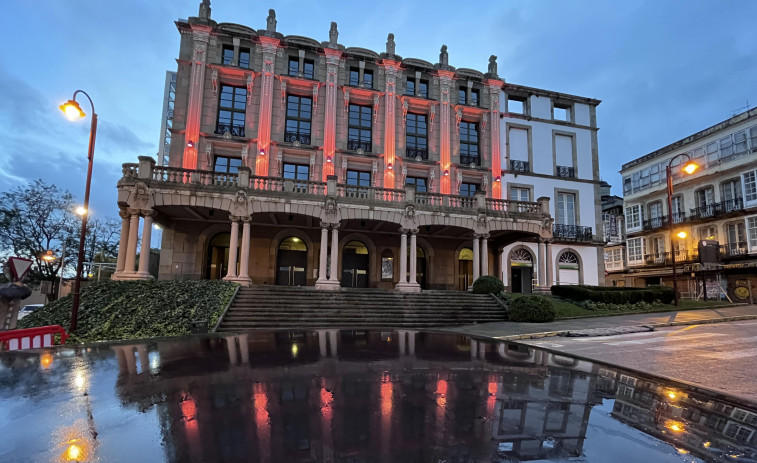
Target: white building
549 149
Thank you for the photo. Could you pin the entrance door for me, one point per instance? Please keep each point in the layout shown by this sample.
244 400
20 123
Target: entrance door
291 263
355 265
521 279
420 274
218 256
465 269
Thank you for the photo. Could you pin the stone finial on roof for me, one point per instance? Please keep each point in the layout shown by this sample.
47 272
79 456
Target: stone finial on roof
204 9
390 44
271 21
333 34
444 56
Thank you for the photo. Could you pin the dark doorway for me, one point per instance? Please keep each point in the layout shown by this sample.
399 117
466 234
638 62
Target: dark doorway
218 256
291 262
465 269
420 270
354 265
521 279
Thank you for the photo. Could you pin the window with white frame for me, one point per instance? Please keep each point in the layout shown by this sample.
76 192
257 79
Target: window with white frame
736 233
751 226
564 156
730 189
635 248
711 151
705 197
726 148
614 259
739 143
518 139
566 208
519 194
658 247
738 433
753 138
634 216
709 232
750 187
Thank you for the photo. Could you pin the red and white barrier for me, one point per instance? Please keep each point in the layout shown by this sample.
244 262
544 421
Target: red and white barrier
32 338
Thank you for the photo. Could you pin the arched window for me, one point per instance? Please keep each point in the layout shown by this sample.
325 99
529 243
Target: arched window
568 260
521 258
465 254
292 244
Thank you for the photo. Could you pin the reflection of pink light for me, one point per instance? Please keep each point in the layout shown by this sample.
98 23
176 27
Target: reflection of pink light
492 388
386 399
441 392
262 421
327 398
492 399
189 414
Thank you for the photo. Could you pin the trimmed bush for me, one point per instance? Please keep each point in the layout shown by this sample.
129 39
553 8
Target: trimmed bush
535 309
137 309
488 284
614 295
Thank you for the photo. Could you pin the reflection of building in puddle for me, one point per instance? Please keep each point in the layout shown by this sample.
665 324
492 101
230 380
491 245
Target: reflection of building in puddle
713 428
390 396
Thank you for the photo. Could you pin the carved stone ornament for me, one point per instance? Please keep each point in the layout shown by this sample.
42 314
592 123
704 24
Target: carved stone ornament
375 107
409 212
404 111
244 155
249 89
333 34
283 94
431 117
227 135
140 197
214 81
444 56
458 118
493 65
331 211
208 155
239 207
418 158
296 143
271 21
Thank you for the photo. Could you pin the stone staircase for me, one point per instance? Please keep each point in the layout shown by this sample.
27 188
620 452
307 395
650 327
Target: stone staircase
294 308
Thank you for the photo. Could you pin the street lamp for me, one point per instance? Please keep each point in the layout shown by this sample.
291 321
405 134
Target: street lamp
73 111
689 168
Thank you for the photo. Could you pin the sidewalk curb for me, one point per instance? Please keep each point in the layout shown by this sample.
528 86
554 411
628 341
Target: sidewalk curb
546 334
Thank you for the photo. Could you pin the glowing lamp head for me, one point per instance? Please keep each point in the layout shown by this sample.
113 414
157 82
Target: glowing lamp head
48 256
690 167
389 166
498 179
262 152
74 452
81 211
446 173
72 110
682 235
156 227
328 158
190 144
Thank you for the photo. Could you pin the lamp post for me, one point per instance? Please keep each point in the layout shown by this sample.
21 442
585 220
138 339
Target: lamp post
72 110
689 168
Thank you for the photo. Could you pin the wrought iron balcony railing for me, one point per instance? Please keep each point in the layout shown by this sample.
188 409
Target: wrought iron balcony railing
519 166
416 152
572 232
467 160
655 222
657 258
716 209
565 171
291 137
734 249
233 130
355 145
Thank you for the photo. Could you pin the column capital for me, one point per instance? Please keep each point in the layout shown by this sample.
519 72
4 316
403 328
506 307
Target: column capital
404 231
246 218
132 212
481 235
124 213
147 213
234 218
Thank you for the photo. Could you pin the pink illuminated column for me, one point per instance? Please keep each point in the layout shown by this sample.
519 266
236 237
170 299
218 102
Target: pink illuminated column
494 89
391 69
445 154
329 120
270 46
200 35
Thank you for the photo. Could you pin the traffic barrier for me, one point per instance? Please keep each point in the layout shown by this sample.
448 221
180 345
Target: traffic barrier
32 338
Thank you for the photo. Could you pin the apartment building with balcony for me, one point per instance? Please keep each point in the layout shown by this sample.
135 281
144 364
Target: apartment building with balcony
717 202
295 161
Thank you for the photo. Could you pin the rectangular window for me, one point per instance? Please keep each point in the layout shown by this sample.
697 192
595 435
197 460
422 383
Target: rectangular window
474 97
294 67
469 143
298 119
518 144
227 165
228 54
739 143
354 77
309 69
708 233
635 248
726 148
462 95
730 189
520 194
753 138
423 89
634 216
627 185
410 87
750 186
359 178
359 130
516 105
367 78
566 208
244 58
296 171
677 204
736 234
419 182
231 110
705 197
416 133
564 156
468 189
711 151
751 226
655 210
654 174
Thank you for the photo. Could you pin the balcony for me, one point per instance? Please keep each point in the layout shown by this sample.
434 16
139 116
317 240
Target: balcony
717 209
233 130
738 249
416 153
301 138
657 258
356 145
572 232
519 166
469 160
566 172
655 223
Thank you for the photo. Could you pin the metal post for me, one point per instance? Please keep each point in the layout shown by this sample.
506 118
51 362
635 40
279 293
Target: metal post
670 228
62 265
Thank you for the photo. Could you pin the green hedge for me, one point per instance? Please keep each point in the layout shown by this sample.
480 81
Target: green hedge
488 284
137 309
614 295
537 309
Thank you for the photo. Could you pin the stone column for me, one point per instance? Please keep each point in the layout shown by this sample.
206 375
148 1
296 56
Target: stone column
231 274
123 242
485 255
131 248
244 261
413 258
323 281
144 249
476 258
549 263
542 263
403 258
334 254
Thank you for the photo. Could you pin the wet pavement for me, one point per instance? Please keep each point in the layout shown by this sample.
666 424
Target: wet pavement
353 396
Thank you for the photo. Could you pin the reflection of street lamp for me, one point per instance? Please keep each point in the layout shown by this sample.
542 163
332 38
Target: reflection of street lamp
689 168
73 111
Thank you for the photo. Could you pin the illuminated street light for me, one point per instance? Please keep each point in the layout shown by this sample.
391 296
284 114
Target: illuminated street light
682 235
73 111
689 169
49 256
80 211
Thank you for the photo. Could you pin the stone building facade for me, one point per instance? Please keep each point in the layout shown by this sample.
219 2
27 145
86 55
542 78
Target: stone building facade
299 162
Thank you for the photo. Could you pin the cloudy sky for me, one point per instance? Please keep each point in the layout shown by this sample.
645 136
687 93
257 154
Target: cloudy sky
664 69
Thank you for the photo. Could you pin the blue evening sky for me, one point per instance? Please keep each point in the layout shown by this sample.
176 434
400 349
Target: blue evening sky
664 69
